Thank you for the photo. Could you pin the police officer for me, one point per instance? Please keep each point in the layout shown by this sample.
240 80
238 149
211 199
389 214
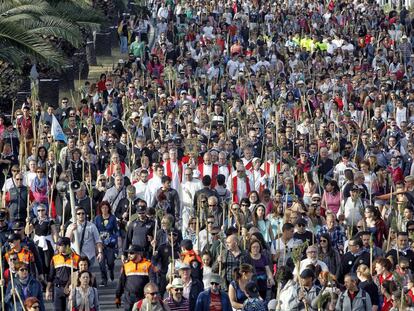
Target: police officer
19 228
136 272
23 253
140 232
59 275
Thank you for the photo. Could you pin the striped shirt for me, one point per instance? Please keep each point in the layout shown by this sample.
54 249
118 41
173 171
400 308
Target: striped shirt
183 305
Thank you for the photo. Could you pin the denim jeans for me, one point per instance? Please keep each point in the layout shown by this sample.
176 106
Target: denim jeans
124 44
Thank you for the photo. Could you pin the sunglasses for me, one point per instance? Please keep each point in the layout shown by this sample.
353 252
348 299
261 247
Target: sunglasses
214 283
178 289
210 222
153 293
80 213
19 178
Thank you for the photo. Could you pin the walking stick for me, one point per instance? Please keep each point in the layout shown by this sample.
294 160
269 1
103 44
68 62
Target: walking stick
155 231
1 277
198 226
172 258
26 229
71 279
13 289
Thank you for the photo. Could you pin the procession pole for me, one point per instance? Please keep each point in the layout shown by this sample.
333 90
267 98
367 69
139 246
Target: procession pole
1 277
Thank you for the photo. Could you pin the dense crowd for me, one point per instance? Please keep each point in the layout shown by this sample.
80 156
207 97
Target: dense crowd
243 155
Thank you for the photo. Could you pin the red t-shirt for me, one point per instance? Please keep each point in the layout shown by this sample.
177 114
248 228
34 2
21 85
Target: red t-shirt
215 302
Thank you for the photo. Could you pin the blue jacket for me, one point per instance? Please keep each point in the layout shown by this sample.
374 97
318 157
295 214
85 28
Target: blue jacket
111 230
203 301
33 289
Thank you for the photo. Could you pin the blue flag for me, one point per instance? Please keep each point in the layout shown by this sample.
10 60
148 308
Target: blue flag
57 131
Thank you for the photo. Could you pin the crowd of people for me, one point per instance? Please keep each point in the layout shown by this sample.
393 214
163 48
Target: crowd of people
243 155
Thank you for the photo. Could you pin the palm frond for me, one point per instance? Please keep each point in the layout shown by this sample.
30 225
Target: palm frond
13 36
11 55
40 8
54 26
78 13
18 18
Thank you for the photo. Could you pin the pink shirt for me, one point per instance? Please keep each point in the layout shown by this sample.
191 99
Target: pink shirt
331 202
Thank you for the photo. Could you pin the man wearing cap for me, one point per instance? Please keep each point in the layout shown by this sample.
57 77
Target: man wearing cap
253 301
23 252
59 274
135 273
192 287
301 232
307 291
213 298
190 257
176 301
140 231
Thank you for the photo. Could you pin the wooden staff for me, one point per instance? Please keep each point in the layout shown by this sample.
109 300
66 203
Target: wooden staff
52 189
1 277
71 279
198 225
155 232
26 229
207 236
172 258
220 255
13 289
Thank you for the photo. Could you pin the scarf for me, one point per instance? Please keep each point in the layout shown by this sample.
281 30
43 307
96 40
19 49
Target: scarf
169 170
214 173
110 169
39 189
84 299
235 196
